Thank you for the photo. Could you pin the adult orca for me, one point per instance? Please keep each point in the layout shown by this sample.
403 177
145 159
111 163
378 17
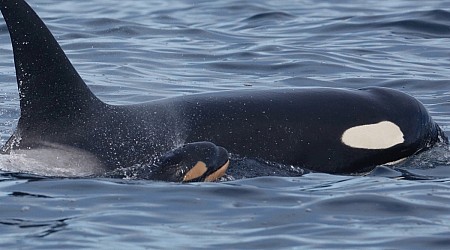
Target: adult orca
322 129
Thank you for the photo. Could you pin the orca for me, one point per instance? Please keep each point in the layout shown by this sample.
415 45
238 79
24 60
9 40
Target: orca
189 138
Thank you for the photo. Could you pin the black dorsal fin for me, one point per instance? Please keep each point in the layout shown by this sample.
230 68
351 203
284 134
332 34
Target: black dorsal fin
48 83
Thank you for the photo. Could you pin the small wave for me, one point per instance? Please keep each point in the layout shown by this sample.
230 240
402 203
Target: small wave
429 165
422 28
265 19
436 15
426 24
269 16
108 26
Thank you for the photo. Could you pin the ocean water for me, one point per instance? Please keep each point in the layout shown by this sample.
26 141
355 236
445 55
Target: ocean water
135 51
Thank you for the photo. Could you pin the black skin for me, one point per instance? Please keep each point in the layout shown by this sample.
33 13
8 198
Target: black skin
301 126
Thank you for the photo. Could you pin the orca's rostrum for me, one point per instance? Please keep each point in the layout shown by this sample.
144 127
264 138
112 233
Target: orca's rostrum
322 129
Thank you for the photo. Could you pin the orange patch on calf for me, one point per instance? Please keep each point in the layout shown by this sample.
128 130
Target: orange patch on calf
198 170
219 173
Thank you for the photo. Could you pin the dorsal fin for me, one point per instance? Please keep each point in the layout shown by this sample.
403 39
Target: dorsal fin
49 85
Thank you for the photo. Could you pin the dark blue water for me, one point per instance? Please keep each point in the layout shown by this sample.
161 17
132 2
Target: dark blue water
135 51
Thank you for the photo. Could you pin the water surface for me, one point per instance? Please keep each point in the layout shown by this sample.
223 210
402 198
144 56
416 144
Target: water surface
134 51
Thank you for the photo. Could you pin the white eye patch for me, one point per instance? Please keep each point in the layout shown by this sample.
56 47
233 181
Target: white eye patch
380 135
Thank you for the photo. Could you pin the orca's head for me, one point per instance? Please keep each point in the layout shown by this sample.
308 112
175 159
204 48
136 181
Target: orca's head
199 161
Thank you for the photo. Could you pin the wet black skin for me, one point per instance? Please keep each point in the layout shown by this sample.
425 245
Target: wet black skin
296 126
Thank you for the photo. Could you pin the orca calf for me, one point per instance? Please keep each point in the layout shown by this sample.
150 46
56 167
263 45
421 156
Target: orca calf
322 129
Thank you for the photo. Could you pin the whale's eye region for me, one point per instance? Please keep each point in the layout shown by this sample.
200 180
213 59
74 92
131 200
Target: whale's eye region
199 161
382 135
196 171
200 169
